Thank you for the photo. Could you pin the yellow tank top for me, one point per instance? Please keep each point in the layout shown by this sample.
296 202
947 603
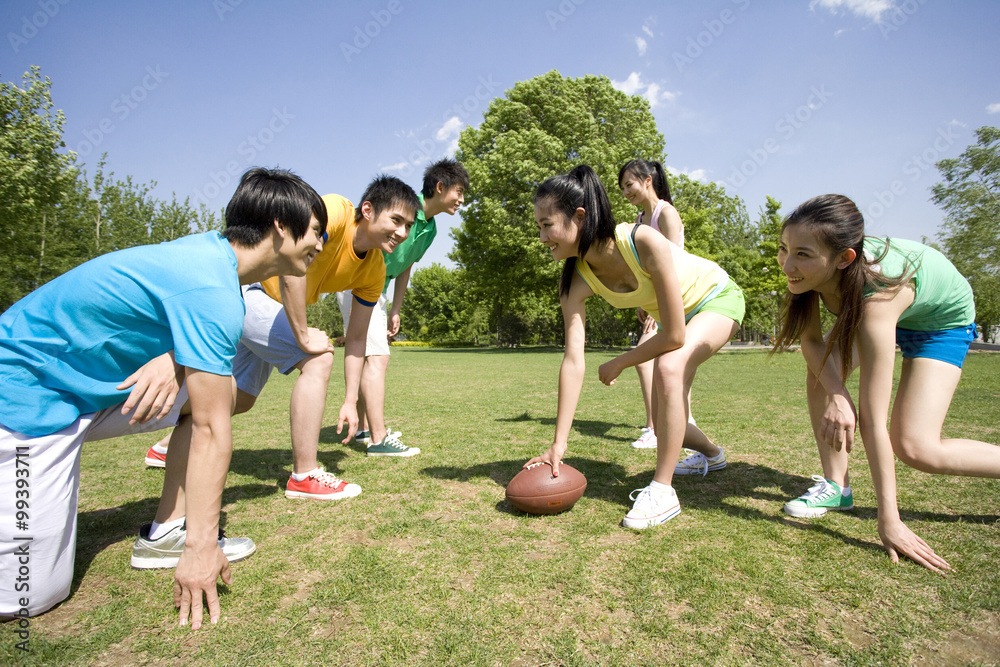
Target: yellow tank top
700 279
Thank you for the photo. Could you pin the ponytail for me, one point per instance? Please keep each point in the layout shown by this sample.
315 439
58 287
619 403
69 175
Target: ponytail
641 169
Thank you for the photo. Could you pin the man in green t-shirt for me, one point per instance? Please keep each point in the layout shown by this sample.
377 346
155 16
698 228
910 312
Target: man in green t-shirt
445 183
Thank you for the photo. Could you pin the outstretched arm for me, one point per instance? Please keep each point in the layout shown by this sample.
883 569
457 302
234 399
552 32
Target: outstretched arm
840 417
877 349
202 561
571 372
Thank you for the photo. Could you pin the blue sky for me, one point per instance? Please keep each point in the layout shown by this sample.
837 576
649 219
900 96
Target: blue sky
788 99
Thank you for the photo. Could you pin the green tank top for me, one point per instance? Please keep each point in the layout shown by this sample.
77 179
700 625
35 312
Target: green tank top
942 296
700 279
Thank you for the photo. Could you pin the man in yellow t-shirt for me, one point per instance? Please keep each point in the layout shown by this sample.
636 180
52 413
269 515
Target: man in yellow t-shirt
275 335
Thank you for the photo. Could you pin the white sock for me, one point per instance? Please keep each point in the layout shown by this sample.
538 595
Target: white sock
300 476
158 530
159 449
660 488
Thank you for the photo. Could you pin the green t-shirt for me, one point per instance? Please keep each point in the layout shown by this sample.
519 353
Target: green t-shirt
422 233
942 296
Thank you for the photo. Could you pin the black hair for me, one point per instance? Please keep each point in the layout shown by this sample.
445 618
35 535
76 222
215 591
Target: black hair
641 169
385 191
265 195
580 188
839 226
448 173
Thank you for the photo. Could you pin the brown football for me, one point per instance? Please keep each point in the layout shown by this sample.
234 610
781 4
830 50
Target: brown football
534 490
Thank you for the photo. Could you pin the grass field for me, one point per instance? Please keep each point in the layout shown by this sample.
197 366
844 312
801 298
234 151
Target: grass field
430 566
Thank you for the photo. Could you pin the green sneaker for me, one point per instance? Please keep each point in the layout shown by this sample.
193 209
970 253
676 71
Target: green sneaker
391 446
824 495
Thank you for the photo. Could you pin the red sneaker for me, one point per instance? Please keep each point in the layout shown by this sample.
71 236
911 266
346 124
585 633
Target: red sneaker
154 459
321 485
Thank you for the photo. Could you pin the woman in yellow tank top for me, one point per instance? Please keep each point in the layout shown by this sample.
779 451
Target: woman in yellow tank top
696 303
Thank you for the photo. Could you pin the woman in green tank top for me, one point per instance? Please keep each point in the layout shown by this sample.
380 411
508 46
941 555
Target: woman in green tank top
883 292
575 222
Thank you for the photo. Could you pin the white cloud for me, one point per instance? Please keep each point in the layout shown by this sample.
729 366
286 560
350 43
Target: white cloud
395 167
629 85
840 32
993 108
647 26
451 128
640 43
870 9
646 29
653 92
693 174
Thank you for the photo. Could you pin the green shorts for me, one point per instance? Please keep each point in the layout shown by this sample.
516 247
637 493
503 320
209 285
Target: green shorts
729 302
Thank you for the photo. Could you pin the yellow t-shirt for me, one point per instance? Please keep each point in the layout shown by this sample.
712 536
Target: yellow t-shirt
337 268
700 279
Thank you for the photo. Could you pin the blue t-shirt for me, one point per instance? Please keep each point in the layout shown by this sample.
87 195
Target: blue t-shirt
67 345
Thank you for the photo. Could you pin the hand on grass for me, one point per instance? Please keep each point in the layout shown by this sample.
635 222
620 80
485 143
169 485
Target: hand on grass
553 456
349 416
316 342
900 540
839 423
154 389
196 575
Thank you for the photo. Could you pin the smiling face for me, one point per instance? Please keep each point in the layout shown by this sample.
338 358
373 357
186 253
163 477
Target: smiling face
634 189
390 227
808 263
452 198
297 255
559 232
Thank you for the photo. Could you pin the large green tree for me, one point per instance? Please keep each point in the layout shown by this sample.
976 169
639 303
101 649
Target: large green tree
40 238
438 307
542 127
970 235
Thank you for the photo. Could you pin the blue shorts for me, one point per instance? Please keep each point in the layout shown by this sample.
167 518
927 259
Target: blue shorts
950 345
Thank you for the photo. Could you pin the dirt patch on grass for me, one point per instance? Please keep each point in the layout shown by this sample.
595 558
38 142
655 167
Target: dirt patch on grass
977 643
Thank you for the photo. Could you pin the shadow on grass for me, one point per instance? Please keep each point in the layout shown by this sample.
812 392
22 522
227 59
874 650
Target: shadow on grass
99 529
274 465
589 427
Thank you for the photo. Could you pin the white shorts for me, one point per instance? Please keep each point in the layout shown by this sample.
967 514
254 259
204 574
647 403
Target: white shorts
267 342
39 490
378 329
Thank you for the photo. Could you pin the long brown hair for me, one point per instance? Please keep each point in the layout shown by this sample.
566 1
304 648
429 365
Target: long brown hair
839 226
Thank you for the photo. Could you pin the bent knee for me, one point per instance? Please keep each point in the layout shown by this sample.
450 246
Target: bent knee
318 365
921 453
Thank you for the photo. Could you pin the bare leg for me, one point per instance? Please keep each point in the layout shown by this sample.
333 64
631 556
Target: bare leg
306 410
926 387
363 424
645 372
373 389
834 463
674 373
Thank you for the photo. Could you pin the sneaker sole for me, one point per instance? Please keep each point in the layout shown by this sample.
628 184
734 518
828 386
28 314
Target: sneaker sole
320 496
154 463
640 524
698 471
811 512
168 562
412 451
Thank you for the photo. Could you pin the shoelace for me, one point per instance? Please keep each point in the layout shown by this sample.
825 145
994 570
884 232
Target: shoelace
698 459
326 479
395 444
821 488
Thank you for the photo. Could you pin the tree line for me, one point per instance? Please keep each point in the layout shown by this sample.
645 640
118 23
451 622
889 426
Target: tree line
503 290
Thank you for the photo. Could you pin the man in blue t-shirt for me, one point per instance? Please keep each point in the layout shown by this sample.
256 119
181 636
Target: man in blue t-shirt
73 367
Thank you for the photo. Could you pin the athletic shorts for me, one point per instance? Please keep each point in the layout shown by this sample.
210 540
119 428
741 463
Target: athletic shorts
950 346
729 302
267 342
40 477
377 342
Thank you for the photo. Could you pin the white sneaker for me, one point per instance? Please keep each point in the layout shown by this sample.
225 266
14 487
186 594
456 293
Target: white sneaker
652 507
699 464
365 437
647 440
